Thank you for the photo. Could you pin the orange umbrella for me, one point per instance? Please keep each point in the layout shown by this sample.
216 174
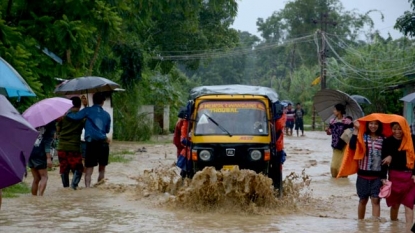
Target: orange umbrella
349 164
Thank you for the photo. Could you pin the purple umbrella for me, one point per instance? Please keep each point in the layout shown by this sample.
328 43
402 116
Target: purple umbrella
16 143
47 110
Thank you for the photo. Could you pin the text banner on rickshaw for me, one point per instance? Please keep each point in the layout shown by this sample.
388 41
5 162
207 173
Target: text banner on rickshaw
231 107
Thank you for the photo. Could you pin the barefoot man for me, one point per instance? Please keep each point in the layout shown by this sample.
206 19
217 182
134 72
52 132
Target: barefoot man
97 125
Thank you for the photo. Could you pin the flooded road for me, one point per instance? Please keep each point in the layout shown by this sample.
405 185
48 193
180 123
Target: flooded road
127 203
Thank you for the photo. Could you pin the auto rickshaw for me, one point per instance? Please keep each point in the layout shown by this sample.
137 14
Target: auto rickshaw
233 125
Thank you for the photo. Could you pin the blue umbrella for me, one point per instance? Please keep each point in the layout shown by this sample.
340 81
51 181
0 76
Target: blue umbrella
11 83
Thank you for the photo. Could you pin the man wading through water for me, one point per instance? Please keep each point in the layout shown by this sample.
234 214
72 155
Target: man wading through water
69 147
97 125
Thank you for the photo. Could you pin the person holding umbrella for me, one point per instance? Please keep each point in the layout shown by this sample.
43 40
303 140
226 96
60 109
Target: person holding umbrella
97 125
336 128
42 116
69 154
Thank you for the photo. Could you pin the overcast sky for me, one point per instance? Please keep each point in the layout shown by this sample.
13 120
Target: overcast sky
250 10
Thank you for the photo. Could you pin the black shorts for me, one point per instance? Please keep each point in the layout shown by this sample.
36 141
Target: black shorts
289 124
299 124
83 149
97 152
368 188
38 163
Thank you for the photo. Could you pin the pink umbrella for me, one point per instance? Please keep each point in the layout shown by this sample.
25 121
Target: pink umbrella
47 110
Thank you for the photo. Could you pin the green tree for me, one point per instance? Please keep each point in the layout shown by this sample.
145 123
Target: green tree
370 70
406 22
291 40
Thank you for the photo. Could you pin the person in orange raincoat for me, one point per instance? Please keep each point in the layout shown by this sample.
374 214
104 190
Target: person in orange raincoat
397 153
279 128
279 159
178 131
184 161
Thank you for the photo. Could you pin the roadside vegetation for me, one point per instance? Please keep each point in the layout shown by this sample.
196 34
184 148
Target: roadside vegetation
159 50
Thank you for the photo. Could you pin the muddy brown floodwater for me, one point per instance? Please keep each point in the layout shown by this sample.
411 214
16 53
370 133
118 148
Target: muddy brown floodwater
146 195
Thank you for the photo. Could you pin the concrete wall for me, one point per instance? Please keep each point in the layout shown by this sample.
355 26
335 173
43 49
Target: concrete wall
157 115
166 118
147 111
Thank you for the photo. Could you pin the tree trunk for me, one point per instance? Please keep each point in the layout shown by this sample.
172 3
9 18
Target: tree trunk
94 58
68 56
9 9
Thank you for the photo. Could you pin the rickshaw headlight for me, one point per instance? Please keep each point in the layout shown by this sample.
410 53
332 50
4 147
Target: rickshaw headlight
205 155
255 155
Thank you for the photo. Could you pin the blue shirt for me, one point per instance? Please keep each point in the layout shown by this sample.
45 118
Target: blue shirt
97 123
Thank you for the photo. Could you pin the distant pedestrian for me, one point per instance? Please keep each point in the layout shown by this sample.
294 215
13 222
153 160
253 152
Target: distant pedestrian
69 147
298 117
289 124
97 126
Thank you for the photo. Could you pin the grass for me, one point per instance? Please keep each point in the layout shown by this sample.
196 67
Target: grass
120 156
155 142
308 119
15 190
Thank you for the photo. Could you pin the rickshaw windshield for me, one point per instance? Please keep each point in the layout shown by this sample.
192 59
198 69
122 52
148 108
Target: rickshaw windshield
231 117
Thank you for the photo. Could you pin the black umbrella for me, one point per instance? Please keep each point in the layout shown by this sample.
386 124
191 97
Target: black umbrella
287 101
325 99
361 99
89 84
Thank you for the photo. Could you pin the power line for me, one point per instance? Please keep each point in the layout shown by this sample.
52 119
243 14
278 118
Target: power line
381 74
237 51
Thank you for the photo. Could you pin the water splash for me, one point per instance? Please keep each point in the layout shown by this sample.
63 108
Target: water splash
212 190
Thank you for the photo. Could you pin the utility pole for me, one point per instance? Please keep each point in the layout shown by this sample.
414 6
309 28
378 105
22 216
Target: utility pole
323 21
